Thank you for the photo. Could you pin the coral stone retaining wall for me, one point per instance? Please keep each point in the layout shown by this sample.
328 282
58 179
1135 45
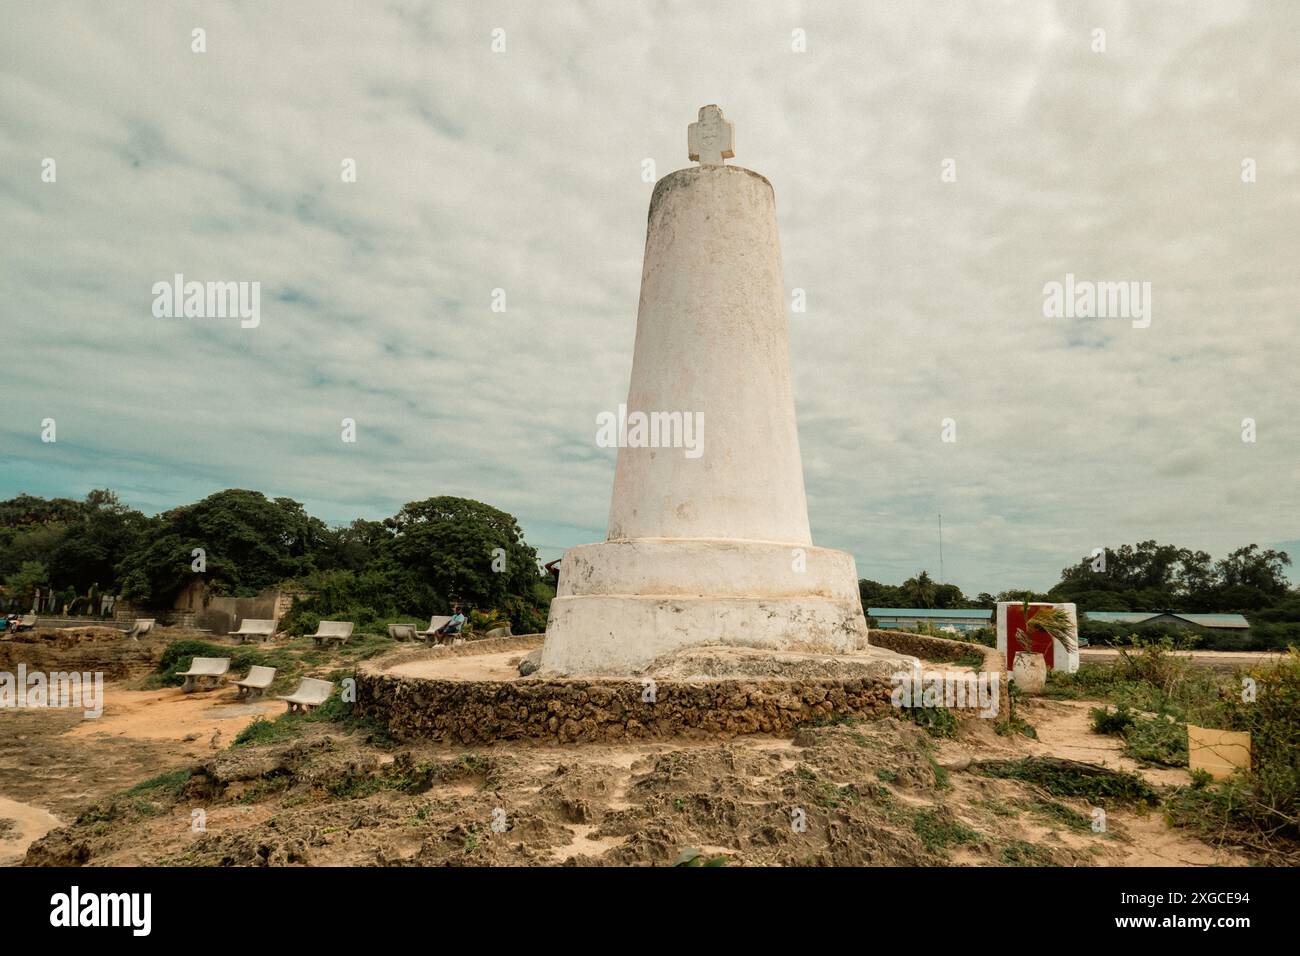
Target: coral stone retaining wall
476 712
935 649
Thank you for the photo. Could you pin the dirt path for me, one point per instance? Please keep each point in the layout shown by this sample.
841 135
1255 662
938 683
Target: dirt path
53 763
168 714
21 825
1064 728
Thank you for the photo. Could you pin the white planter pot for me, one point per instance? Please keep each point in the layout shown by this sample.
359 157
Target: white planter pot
1029 671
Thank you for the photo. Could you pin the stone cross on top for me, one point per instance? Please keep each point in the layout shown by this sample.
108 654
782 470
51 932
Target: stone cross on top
712 140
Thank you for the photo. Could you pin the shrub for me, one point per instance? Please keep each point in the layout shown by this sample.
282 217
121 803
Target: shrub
1160 739
1107 721
1258 808
1069 778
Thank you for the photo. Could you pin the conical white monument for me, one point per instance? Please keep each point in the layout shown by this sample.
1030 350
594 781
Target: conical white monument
708 539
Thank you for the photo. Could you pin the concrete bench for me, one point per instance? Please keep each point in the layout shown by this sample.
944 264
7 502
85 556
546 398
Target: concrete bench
140 628
255 684
254 628
431 636
402 632
205 673
25 623
333 633
310 693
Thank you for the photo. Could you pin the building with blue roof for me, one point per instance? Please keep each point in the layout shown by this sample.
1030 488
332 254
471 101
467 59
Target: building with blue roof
959 619
1218 622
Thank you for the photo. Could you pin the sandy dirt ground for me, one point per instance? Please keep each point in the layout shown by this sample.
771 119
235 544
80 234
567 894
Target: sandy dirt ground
877 793
500 666
1214 660
164 714
54 762
126 789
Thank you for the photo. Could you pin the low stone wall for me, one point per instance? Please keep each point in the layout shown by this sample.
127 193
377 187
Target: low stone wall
91 649
936 649
479 712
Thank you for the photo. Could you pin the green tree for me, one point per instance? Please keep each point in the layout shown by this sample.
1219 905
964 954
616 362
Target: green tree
249 543
875 594
920 591
22 584
446 549
95 543
949 596
1252 578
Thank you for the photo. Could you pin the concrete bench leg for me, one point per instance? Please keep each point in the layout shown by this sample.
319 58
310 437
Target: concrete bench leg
188 686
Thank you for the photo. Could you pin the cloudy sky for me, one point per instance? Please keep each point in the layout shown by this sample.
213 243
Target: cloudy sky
522 170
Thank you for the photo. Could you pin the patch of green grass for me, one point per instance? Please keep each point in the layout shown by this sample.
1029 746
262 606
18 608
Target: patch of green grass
1067 778
1091 681
939 830
937 721
99 814
264 731
942 780
828 794
1057 813
888 776
333 711
833 796
177 656
475 764
995 807
1159 740
169 784
1013 726
1020 853
1107 721
356 786
837 720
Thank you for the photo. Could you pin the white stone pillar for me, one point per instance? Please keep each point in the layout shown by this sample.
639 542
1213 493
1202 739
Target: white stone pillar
712 338
708 540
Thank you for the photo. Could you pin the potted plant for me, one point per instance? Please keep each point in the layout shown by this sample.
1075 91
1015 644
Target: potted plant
1029 668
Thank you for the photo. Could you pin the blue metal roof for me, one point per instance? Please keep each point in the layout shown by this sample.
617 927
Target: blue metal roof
1137 617
985 614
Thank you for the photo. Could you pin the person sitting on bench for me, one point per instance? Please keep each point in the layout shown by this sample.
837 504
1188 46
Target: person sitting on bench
456 623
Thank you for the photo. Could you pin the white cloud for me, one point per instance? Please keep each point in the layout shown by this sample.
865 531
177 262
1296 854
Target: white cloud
522 171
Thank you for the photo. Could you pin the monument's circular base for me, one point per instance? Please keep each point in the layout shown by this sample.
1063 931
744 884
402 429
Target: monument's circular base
417 695
624 605
630 634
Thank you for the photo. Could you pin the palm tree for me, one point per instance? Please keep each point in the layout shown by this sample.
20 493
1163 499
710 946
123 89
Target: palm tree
1052 621
920 590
